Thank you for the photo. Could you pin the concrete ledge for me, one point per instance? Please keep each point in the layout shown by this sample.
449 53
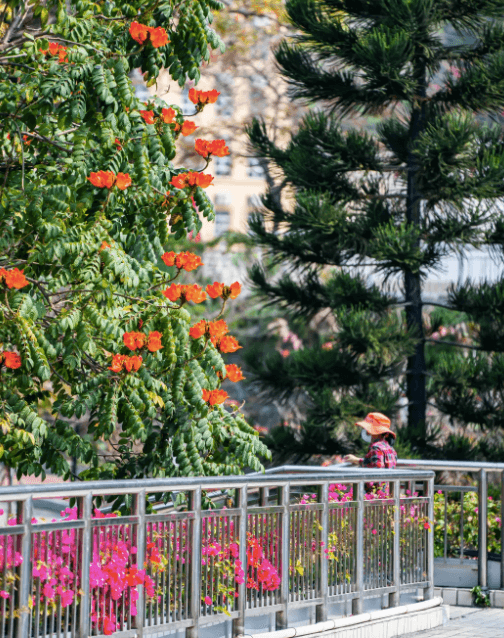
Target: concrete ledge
385 623
462 597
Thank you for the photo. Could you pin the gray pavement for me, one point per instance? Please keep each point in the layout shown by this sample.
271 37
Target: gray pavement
468 622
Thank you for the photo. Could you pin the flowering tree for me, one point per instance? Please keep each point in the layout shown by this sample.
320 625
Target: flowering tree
91 320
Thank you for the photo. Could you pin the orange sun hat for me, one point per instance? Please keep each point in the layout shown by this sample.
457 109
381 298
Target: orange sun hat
376 423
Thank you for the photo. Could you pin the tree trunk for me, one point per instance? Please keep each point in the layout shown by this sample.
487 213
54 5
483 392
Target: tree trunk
416 372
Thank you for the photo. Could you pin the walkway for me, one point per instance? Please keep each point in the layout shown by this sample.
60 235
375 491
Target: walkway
468 622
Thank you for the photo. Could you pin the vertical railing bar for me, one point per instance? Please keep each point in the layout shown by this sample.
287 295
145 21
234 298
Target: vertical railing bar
321 610
429 591
357 602
86 507
284 499
195 505
242 505
461 526
395 597
25 569
445 533
502 532
139 511
482 529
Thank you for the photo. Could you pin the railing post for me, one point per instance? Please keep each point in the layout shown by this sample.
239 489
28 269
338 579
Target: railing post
502 528
195 556
139 510
321 610
282 616
357 603
429 591
25 570
85 512
239 623
395 596
482 530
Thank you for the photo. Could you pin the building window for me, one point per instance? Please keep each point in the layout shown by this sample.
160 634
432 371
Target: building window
223 165
222 221
255 170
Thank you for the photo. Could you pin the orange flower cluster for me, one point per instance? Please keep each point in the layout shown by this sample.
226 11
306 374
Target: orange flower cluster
148 116
185 293
10 359
141 33
220 290
191 179
104 245
122 362
184 261
56 49
234 373
206 148
106 179
135 340
217 332
168 115
13 278
228 344
187 127
203 97
214 329
214 397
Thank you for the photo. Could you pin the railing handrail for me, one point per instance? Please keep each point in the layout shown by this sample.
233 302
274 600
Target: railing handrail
134 486
451 466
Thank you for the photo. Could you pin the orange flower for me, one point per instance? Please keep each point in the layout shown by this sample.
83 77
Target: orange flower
203 97
117 362
123 180
219 148
228 344
214 397
215 290
10 360
169 258
133 363
13 278
217 330
198 330
202 147
168 115
62 54
53 48
233 290
173 292
154 341
158 37
234 373
139 32
203 180
206 148
103 246
194 293
102 179
187 127
134 340
118 144
148 116
188 261
182 180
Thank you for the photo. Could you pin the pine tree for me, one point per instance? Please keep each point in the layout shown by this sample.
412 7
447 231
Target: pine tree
92 323
392 204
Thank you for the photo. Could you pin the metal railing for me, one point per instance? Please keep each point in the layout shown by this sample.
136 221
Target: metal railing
264 548
480 471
